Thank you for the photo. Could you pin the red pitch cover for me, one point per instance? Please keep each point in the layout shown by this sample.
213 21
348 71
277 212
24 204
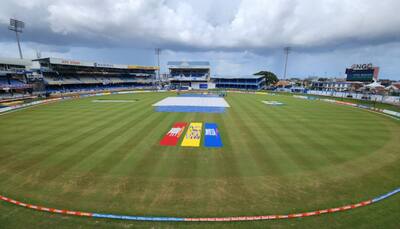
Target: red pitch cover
173 135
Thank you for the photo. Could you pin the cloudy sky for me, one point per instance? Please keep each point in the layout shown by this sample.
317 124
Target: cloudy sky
236 36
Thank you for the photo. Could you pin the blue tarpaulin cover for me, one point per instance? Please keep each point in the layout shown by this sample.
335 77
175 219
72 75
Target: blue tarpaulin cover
212 138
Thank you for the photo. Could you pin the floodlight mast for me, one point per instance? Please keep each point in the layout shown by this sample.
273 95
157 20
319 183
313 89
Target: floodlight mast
287 51
17 26
158 53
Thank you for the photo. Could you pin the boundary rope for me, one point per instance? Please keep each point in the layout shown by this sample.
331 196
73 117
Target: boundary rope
213 219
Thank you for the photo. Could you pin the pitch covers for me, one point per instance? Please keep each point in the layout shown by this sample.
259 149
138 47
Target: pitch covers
192 138
211 135
173 135
193 135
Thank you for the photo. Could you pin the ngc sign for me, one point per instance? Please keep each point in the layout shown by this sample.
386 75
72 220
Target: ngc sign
362 66
362 73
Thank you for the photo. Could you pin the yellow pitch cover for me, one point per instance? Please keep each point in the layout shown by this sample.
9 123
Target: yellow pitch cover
193 135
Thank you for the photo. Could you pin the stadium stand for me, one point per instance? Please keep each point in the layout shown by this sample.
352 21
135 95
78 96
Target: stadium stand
252 82
188 74
13 79
62 75
46 76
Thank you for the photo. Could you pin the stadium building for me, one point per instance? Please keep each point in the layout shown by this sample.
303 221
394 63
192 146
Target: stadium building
189 74
61 75
13 77
252 82
362 73
334 86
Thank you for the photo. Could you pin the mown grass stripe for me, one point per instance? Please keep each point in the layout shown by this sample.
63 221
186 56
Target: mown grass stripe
54 150
36 142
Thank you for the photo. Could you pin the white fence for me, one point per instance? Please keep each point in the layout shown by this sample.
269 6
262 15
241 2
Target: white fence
388 112
378 98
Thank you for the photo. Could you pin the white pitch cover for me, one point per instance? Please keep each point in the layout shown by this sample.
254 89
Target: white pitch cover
192 101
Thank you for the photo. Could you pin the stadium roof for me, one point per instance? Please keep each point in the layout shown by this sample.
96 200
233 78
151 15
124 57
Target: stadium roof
53 60
188 64
374 85
15 61
237 77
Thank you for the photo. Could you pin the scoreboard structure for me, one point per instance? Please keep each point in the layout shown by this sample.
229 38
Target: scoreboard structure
362 73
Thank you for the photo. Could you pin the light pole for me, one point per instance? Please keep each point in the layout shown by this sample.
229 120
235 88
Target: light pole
17 26
158 53
287 51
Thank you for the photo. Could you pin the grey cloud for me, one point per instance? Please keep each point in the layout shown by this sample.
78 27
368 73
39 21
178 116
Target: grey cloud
240 36
197 25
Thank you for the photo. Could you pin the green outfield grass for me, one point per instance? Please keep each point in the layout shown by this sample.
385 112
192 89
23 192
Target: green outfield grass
106 158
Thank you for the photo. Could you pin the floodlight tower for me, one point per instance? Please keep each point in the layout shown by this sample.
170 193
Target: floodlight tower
17 26
287 51
158 53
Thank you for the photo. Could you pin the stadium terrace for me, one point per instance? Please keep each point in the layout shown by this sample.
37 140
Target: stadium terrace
56 75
